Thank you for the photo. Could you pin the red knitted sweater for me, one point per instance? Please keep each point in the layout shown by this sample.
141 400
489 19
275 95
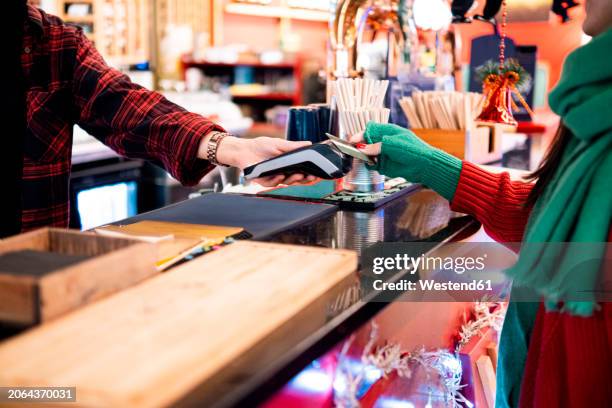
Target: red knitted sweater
570 358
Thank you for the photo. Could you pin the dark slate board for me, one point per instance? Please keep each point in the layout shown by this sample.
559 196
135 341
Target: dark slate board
257 215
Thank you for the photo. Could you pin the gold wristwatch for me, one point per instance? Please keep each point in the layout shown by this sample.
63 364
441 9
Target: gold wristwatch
213 146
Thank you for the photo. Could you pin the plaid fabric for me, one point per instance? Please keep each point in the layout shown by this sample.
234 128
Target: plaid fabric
69 83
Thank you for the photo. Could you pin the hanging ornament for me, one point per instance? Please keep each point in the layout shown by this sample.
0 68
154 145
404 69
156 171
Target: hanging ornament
499 82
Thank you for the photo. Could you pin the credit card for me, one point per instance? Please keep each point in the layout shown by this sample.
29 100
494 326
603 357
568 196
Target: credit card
350 150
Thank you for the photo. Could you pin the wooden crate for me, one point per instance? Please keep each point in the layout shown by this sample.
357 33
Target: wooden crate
451 141
192 332
110 265
479 145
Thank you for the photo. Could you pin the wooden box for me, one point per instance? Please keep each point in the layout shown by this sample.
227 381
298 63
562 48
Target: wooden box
48 272
480 145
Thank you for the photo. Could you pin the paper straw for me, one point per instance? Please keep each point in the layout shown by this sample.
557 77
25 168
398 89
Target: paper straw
354 122
360 120
343 121
406 109
361 101
407 105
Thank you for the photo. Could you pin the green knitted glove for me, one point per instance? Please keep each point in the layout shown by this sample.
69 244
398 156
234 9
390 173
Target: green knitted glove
375 132
403 154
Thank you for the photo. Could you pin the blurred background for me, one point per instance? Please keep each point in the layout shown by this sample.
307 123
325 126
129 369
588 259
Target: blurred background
244 63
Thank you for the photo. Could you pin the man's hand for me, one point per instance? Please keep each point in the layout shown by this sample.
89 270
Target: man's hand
242 153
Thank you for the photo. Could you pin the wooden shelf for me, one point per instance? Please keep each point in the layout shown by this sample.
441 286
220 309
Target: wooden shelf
283 98
126 45
277 12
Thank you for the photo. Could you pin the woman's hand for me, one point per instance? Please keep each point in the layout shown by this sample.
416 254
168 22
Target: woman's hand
403 154
359 141
399 149
241 153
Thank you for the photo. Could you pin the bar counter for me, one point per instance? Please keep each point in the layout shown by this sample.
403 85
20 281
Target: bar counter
420 215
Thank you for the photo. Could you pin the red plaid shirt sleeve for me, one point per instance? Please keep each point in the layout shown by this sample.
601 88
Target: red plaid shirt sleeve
134 121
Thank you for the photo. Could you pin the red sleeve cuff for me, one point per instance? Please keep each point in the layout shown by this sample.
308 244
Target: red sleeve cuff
475 190
494 200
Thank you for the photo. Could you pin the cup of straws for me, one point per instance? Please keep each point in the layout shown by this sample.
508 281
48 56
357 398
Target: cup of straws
442 110
361 101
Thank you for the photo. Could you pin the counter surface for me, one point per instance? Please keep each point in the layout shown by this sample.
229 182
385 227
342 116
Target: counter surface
418 216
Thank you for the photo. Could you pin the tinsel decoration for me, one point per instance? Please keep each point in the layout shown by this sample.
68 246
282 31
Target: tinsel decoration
499 82
387 358
442 367
347 397
484 315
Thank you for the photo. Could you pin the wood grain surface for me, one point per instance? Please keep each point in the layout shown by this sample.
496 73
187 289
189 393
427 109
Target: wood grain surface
478 145
109 265
173 239
155 343
211 234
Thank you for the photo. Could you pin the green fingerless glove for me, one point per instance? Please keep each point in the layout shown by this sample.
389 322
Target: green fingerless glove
374 132
403 154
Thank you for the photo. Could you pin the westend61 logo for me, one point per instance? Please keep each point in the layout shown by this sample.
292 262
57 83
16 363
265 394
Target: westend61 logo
404 262
465 271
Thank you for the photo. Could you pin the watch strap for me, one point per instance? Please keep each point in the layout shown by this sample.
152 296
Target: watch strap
213 146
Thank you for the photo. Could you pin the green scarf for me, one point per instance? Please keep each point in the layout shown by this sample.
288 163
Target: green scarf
576 206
